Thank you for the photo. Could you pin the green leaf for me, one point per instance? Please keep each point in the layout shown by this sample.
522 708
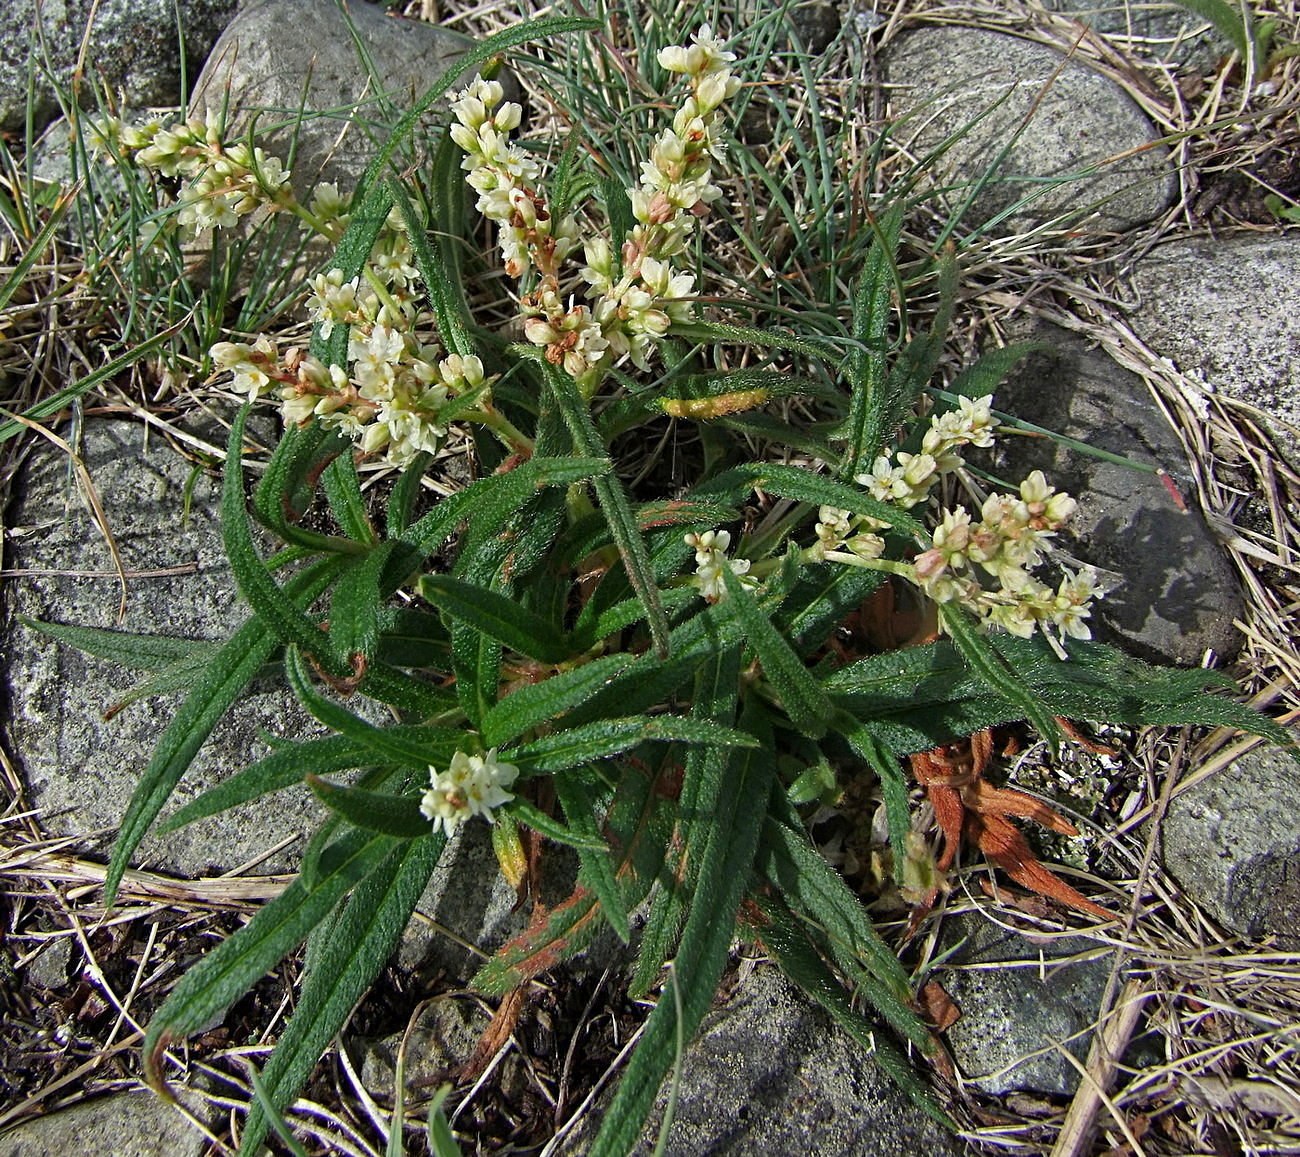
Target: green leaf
805 486
446 297
346 964
405 492
608 737
1233 22
213 692
533 817
893 785
986 661
283 768
398 816
140 652
597 866
386 744
813 888
807 705
545 702
272 604
799 959
717 689
711 331
984 376
413 638
613 503
498 616
872 308
356 606
637 823
494 500
209 988
347 504
287 487
702 954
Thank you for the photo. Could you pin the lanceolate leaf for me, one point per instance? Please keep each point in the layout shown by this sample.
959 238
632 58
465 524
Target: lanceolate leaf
142 652
386 744
282 768
544 702
717 689
495 499
872 308
229 673
804 701
805 486
342 969
702 954
496 615
800 960
356 606
398 816
597 866
609 737
613 502
210 987
286 489
272 604
347 504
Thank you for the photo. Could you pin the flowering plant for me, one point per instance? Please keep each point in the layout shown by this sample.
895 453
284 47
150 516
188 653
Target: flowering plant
674 685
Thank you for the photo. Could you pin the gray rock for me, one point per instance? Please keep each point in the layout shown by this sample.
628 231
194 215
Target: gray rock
770 1073
123 1125
1175 594
81 769
282 58
442 1039
1233 843
1165 32
468 902
49 969
133 49
1020 998
1223 309
1080 120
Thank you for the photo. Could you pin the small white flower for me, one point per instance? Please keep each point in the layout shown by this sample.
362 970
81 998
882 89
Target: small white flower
473 785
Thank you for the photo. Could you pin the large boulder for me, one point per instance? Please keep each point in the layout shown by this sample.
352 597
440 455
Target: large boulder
1032 136
132 49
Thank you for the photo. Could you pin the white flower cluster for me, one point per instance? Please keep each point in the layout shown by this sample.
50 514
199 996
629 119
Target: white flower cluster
1006 544
907 481
711 559
839 529
1003 547
634 294
473 785
223 182
390 397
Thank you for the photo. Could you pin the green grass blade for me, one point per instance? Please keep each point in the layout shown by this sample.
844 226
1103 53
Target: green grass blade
363 939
